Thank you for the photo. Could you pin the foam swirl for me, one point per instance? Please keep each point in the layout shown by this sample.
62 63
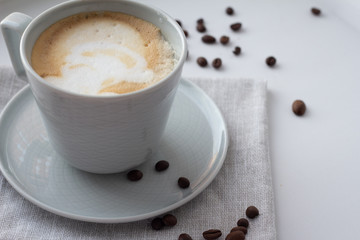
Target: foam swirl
102 53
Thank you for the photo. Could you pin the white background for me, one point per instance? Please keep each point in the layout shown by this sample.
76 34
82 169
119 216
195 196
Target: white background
315 158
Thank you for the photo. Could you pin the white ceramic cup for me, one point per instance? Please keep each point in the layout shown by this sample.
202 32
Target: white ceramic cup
99 134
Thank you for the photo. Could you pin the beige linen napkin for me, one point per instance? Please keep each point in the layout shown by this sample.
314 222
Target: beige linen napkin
244 180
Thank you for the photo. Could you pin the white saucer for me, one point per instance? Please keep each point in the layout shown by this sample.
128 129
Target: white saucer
195 144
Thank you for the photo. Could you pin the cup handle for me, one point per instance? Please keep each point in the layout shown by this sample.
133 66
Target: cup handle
12 28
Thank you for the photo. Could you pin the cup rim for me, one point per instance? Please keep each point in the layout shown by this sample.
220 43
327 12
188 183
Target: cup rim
51 10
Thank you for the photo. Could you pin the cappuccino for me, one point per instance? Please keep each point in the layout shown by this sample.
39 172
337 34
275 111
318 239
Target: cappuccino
102 53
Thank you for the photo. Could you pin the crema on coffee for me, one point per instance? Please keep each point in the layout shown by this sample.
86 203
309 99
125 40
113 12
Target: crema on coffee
102 53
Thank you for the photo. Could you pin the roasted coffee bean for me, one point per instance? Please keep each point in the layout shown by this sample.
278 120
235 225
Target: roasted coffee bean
237 50
186 33
235 26
201 28
212 234
202 61
270 61
169 220
252 212
316 11
183 182
184 236
217 63
236 235
134 175
230 11
299 107
200 21
161 165
179 22
224 40
157 224
243 222
208 39
241 228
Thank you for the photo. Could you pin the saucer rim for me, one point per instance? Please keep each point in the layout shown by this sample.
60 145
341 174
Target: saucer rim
13 181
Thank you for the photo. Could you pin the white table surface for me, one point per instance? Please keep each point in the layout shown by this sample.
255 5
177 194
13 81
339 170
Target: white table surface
315 158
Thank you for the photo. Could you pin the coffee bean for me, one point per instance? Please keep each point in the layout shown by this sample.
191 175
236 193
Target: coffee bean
186 33
200 21
212 234
208 39
157 224
235 26
299 107
217 63
169 220
184 236
224 40
243 222
236 235
161 165
316 11
252 212
202 61
134 175
201 28
270 61
230 11
241 228
179 22
237 50
183 182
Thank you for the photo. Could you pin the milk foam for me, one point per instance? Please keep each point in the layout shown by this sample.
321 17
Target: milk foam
92 66
102 54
